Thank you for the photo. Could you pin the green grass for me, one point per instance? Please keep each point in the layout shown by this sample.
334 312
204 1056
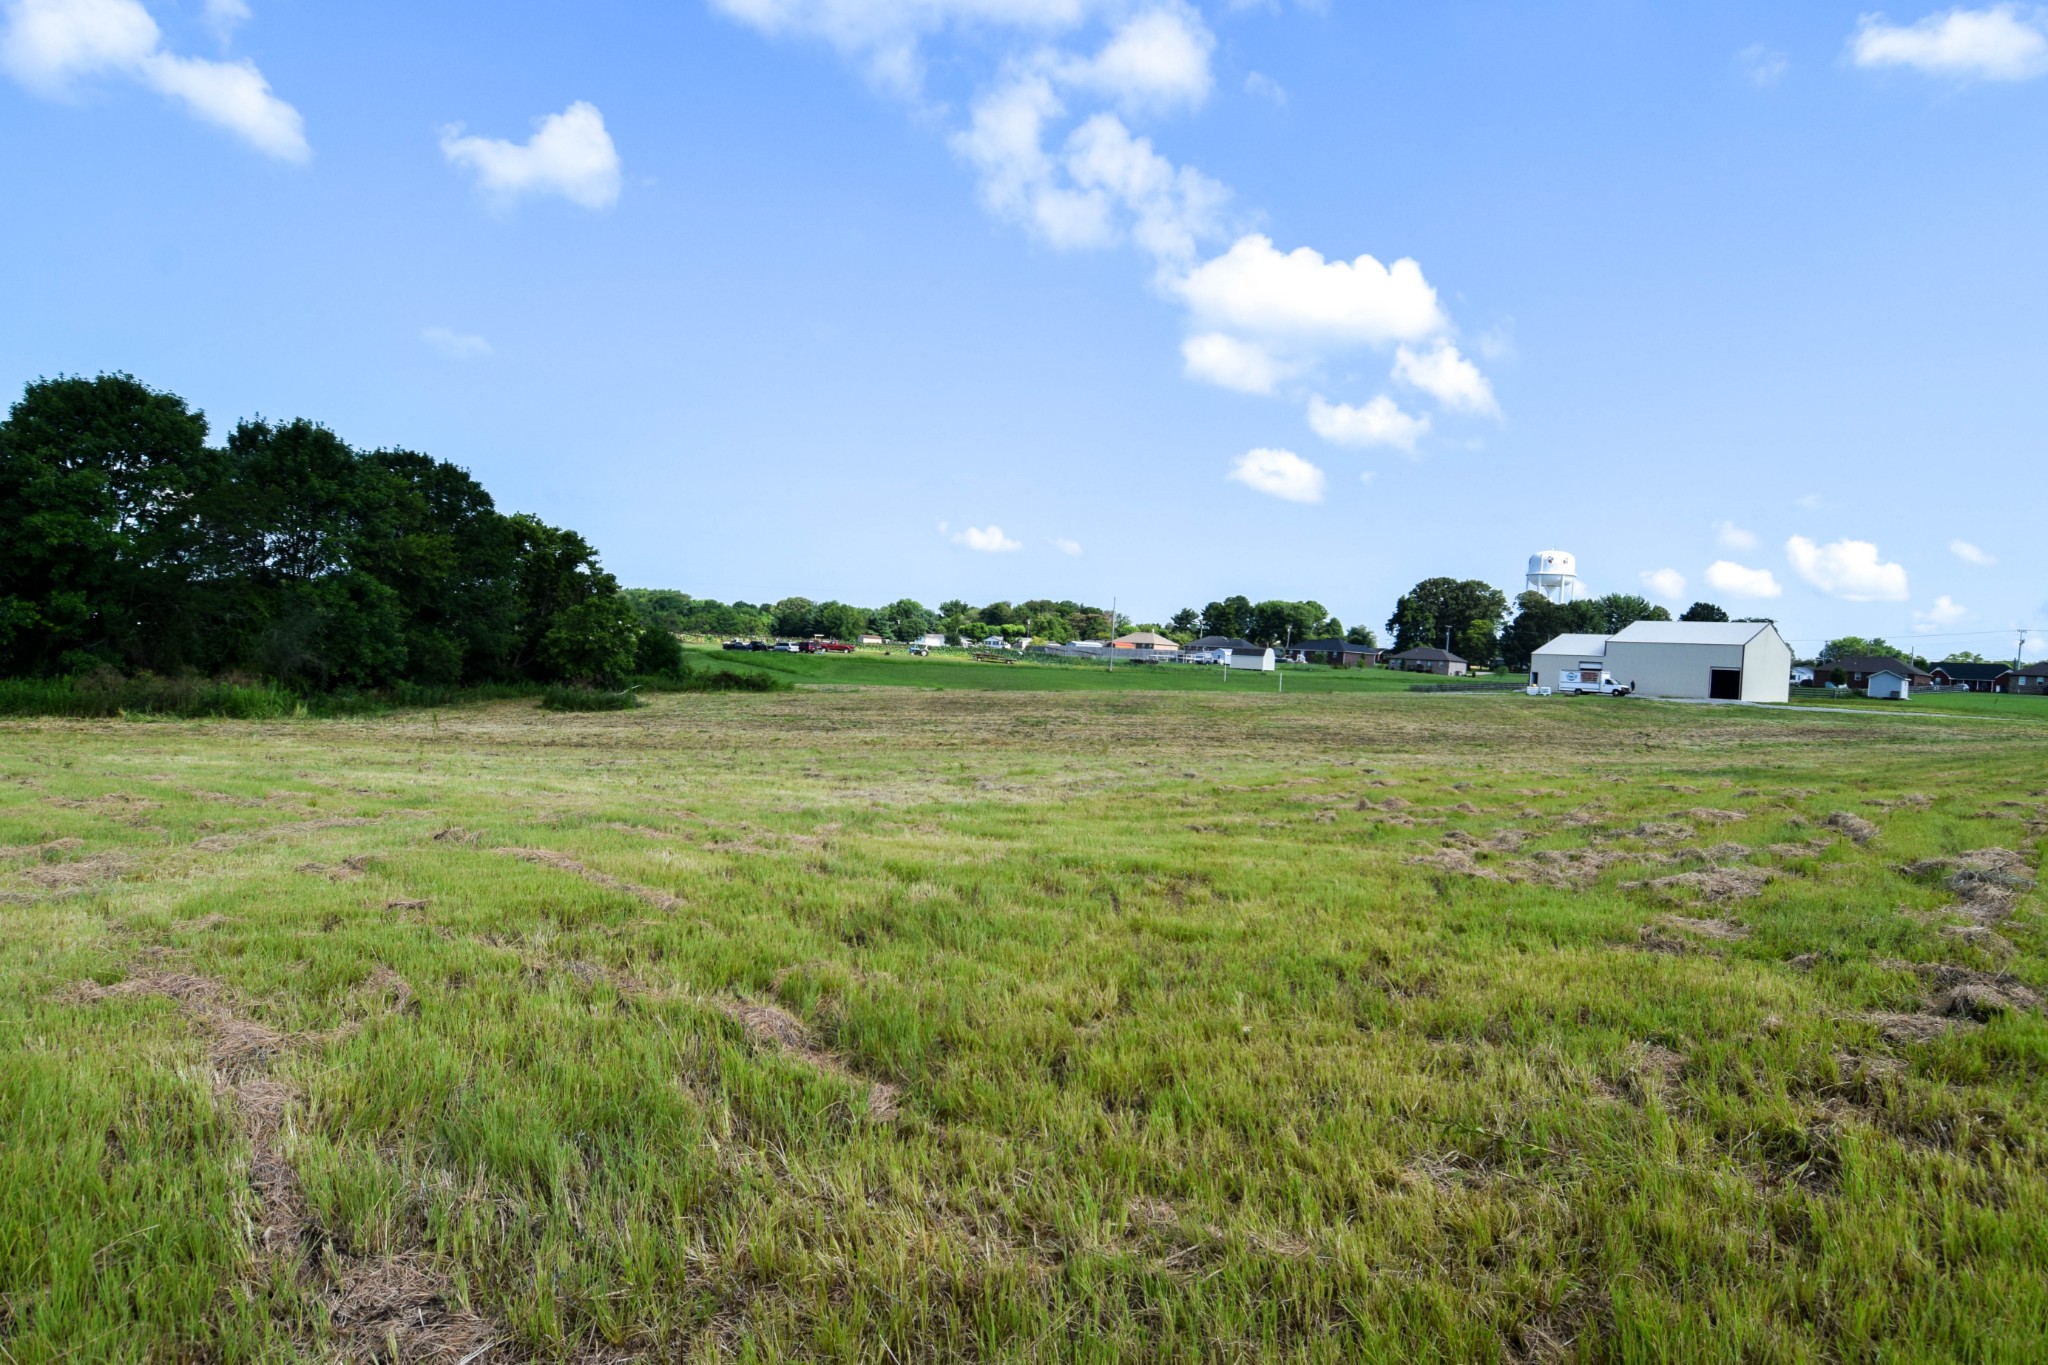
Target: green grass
2008 707
889 1025
951 671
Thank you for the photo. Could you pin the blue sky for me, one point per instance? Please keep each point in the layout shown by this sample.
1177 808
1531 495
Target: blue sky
1010 298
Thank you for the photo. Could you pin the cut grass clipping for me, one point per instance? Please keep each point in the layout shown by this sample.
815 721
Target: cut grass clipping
587 699
893 1025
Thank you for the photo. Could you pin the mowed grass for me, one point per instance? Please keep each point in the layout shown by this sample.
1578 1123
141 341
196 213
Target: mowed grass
951 670
888 1025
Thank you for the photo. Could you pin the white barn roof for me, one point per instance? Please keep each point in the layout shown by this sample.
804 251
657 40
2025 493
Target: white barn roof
1584 645
1691 632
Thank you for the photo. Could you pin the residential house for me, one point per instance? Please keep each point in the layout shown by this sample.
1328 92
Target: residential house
2031 680
1340 653
1975 676
1857 671
1430 659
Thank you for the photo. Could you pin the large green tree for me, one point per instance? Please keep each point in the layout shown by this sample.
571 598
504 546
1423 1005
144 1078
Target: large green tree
1468 611
1703 611
100 536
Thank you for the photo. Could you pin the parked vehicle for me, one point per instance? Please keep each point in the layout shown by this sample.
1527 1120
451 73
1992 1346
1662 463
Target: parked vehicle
835 647
1602 687
788 647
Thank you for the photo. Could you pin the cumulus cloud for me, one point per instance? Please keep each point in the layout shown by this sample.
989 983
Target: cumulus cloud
1998 43
1448 377
1725 575
569 154
1668 584
455 345
50 45
1281 473
987 539
1761 64
1297 294
1848 569
1158 59
1970 554
1944 612
1221 359
884 36
1377 423
1067 547
1733 537
1103 183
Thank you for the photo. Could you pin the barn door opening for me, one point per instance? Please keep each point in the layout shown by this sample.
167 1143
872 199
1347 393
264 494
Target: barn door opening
1725 684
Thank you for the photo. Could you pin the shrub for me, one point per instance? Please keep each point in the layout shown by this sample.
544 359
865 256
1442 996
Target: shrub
586 699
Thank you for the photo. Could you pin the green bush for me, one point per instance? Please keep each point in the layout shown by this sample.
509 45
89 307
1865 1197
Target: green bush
586 699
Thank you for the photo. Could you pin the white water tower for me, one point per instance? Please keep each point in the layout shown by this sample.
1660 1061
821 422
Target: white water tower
1555 574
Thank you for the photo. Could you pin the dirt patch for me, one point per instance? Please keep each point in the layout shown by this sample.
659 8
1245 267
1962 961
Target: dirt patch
1571 868
79 873
1652 939
347 870
1720 930
1964 993
1457 860
775 1028
1903 801
660 900
1981 937
1714 884
404 1309
1726 852
1858 829
41 850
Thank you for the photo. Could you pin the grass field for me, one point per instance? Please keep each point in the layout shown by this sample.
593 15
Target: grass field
891 1025
952 671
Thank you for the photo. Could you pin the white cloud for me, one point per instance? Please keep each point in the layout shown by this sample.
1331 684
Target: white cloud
988 539
1999 43
1261 86
225 16
1811 502
884 35
1066 547
1668 584
1298 294
1159 59
1733 537
1726 576
1448 377
49 44
1282 473
1944 612
1377 423
1848 569
1763 65
455 345
1104 182
569 154
1970 554
1220 359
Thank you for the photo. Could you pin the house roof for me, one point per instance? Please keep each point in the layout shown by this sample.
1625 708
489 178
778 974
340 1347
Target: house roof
2039 670
1220 642
1336 647
1902 674
1147 637
1250 649
1581 645
1430 654
1967 672
1691 632
1875 663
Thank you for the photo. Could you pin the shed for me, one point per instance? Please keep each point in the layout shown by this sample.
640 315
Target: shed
1430 659
1258 658
1583 656
1703 660
1889 685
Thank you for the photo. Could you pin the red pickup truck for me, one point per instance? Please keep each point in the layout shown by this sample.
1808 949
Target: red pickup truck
826 647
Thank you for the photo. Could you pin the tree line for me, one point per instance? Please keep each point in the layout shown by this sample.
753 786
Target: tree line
133 543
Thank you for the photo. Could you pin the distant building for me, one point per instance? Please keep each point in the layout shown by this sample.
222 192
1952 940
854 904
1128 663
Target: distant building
2031 680
1257 658
1430 659
1146 641
872 639
1857 671
1695 660
1342 653
1888 685
1977 677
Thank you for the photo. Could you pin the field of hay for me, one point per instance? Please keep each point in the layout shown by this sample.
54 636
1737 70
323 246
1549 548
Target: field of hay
899 1025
